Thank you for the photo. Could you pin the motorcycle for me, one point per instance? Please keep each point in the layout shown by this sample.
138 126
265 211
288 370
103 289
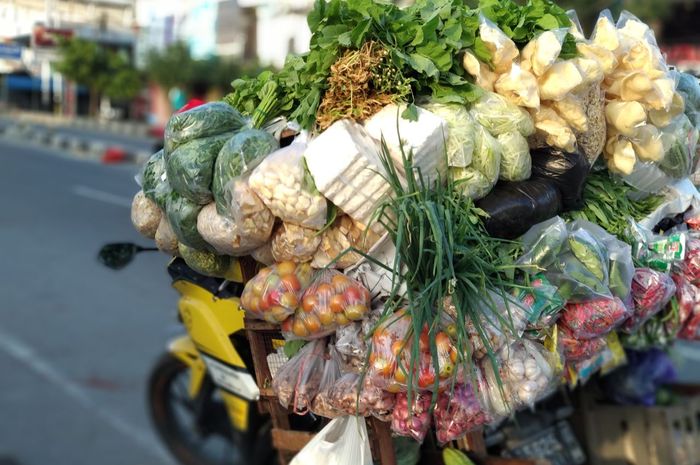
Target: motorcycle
202 392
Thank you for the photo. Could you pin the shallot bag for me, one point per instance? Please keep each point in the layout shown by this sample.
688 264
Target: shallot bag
354 395
299 380
412 420
457 412
576 350
332 300
691 264
322 405
275 292
651 291
527 374
594 318
688 296
286 188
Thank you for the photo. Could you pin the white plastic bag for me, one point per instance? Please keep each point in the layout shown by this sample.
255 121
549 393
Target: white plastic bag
343 441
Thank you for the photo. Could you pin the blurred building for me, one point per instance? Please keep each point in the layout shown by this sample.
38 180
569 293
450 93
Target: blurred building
29 34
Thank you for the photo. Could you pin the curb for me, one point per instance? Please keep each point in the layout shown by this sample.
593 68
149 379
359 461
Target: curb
73 145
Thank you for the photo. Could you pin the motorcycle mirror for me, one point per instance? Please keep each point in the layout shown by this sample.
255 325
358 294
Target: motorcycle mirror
117 256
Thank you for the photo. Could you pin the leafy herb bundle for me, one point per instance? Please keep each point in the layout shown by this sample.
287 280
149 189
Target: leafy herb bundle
443 251
424 44
607 203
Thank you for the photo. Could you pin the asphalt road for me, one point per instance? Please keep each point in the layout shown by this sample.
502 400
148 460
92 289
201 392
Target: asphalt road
76 339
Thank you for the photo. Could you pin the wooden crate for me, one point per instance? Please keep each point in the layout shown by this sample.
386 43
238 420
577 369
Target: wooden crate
262 337
617 435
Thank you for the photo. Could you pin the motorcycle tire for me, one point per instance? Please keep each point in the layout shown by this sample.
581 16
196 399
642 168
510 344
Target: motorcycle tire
182 441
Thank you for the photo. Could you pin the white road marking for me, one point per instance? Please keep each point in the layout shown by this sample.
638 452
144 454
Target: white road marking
101 196
24 354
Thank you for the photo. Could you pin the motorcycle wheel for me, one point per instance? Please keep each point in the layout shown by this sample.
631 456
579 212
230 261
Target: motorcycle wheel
209 439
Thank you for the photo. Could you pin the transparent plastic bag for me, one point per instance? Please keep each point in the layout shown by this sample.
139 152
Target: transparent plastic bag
275 292
287 189
680 139
344 441
543 243
182 216
253 219
322 405
651 291
605 32
412 420
527 372
165 238
543 302
331 300
205 262
353 394
145 215
543 51
390 360
223 233
576 350
594 318
203 121
190 167
519 86
460 135
499 116
503 50
458 411
690 266
344 234
236 159
516 164
647 177
299 380
263 254
151 175
294 243
351 346
688 296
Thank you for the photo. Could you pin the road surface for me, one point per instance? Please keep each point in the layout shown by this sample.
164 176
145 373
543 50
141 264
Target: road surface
76 340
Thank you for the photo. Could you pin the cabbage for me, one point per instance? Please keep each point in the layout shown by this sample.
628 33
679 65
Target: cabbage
499 116
516 164
471 183
487 154
460 137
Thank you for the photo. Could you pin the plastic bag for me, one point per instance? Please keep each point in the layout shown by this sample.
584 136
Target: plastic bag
516 164
543 242
688 296
190 167
351 347
503 50
412 420
576 350
514 207
594 318
354 394
152 174
543 302
460 134
165 238
519 86
458 412
592 141
299 380
638 382
237 158
647 177
294 243
680 139
499 116
689 88
390 360
651 291
145 215
331 300
527 374
567 171
263 254
690 266
203 121
205 262
287 189
345 233
322 405
275 292
344 441
182 216
223 233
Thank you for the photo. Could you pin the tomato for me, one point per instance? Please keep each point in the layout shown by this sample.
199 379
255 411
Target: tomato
324 292
264 304
353 295
453 355
287 325
309 303
312 323
383 367
286 268
341 319
290 283
254 303
326 316
442 341
271 282
400 375
257 286
289 300
299 329
426 379
452 330
273 297
340 282
338 303
304 273
279 313
355 312
397 347
424 341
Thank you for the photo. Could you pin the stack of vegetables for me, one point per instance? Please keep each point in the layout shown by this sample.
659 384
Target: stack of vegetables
425 195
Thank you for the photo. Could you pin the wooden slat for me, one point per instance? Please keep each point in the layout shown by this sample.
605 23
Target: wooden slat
260 325
381 436
289 440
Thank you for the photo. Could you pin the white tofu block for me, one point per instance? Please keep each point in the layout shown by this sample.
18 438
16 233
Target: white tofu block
425 138
344 162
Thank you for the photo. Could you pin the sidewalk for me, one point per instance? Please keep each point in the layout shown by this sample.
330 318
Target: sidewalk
128 128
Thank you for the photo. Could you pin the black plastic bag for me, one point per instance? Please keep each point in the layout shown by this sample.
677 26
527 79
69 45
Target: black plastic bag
567 171
514 207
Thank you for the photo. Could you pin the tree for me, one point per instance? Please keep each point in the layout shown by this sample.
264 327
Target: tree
102 71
